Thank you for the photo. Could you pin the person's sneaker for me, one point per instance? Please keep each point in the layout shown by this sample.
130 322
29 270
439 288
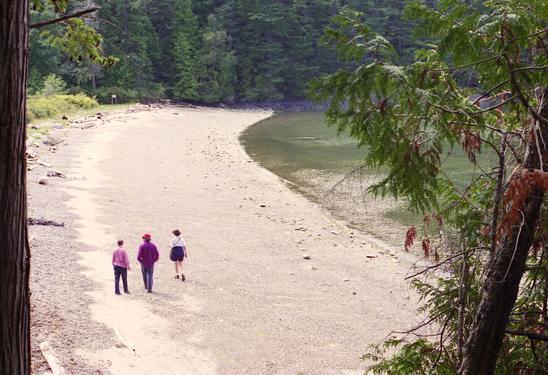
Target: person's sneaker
183 276
126 292
176 276
149 291
117 293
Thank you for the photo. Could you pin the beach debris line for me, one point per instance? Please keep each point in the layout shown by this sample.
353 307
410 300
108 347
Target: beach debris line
31 154
45 164
122 341
42 221
52 141
55 173
51 358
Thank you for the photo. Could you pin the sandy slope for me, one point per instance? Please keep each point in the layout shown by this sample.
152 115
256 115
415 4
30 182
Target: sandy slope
251 304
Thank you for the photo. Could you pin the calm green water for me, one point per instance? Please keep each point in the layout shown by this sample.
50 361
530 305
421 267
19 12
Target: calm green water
290 144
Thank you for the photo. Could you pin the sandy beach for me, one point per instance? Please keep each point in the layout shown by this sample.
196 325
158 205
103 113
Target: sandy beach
251 303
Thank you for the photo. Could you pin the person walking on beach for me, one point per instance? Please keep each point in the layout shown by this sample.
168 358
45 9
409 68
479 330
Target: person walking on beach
177 253
147 256
120 262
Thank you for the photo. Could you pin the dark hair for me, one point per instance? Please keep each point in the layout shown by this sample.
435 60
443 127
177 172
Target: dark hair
177 232
120 242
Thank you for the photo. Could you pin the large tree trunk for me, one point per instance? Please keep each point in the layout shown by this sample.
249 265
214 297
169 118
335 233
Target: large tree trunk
505 270
14 247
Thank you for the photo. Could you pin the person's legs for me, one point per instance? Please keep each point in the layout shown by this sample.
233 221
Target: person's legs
116 279
176 269
124 279
150 274
181 269
144 272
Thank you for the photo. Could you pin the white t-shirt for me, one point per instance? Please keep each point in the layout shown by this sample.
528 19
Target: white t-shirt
177 241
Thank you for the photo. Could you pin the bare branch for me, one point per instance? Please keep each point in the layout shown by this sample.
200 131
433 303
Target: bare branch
64 17
531 335
475 113
445 261
498 194
491 91
465 65
545 67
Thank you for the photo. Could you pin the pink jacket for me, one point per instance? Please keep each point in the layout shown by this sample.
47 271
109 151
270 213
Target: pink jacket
119 258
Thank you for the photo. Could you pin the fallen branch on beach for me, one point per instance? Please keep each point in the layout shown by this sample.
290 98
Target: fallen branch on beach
45 164
122 341
41 221
51 358
54 173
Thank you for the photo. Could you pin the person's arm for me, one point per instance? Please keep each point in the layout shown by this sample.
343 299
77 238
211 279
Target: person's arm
157 254
185 252
140 254
126 259
113 253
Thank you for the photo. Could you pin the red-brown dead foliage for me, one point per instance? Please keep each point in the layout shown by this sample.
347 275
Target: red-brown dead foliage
409 238
519 189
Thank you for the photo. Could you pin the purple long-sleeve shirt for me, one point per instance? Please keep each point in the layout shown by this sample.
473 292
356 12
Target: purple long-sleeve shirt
148 254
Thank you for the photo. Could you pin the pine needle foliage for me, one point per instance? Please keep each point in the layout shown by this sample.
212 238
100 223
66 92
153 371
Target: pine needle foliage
411 117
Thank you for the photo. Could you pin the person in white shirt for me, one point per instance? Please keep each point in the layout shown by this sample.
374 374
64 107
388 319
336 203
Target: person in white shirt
178 253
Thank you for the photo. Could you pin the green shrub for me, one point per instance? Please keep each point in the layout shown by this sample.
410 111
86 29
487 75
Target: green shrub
53 85
123 95
34 82
39 107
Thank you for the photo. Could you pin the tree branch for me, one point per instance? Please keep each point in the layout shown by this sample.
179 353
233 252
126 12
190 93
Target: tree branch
490 91
531 335
453 68
426 269
476 113
544 67
64 17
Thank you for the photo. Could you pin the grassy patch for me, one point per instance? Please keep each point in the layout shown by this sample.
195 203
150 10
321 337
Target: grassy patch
43 111
48 107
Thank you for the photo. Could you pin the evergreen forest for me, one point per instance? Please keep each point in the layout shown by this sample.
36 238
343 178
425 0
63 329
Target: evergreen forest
206 51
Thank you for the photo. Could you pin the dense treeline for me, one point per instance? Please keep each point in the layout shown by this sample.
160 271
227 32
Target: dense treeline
210 50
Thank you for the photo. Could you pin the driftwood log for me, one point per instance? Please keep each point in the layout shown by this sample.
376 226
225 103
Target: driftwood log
51 358
45 164
122 341
54 173
42 221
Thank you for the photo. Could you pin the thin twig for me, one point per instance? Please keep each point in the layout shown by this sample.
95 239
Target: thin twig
64 17
543 67
515 247
445 261
531 335
498 194
476 113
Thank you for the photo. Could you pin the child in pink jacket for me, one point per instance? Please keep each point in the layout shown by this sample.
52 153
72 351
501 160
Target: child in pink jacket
120 262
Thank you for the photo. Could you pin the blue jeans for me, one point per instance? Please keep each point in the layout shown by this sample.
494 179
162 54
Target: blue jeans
120 271
147 272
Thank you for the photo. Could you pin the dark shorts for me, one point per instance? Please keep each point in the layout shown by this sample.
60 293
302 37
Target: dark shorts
177 253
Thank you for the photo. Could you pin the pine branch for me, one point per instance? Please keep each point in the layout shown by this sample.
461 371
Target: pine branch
64 17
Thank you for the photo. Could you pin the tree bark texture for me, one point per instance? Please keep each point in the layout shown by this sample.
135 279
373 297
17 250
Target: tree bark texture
505 269
14 247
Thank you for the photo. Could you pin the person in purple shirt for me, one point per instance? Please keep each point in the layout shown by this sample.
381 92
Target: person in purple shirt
147 256
120 262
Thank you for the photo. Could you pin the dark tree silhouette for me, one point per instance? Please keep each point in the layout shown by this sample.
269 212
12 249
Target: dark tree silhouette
14 250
